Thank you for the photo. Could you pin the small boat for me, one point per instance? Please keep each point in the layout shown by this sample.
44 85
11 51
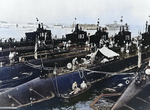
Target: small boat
15 75
15 81
71 94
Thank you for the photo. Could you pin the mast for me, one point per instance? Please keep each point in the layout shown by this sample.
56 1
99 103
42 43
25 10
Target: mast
74 24
146 29
121 22
37 20
139 54
98 28
75 21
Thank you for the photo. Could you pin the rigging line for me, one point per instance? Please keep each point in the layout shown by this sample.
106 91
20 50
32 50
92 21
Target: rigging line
108 73
82 74
100 79
99 71
86 79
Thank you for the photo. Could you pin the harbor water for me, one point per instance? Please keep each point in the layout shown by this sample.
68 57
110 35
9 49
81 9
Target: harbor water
19 33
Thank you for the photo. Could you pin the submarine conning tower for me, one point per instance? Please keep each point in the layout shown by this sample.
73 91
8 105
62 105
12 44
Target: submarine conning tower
123 36
40 33
78 36
146 35
100 37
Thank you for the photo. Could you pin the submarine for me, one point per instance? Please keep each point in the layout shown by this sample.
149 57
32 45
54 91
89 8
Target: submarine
47 87
57 81
136 96
36 47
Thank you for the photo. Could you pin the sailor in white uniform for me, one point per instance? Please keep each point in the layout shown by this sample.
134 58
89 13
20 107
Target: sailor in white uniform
74 85
12 56
75 88
83 85
74 62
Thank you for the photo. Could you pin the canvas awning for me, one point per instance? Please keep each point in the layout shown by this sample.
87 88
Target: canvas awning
108 53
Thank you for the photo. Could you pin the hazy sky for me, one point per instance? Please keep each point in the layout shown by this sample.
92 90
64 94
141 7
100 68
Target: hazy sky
64 11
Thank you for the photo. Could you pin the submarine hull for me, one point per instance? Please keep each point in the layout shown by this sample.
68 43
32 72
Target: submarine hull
15 75
38 90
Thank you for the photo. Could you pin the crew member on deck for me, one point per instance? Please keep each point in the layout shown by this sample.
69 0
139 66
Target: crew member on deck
12 56
74 85
74 62
75 88
83 85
